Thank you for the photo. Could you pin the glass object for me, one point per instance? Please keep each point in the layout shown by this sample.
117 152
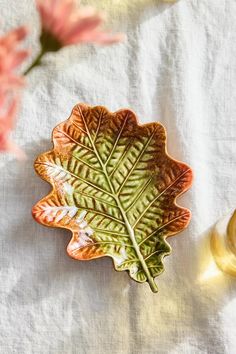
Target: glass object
223 243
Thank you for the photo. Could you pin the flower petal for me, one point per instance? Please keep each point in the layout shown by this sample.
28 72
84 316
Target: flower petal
83 29
10 146
71 25
13 37
10 59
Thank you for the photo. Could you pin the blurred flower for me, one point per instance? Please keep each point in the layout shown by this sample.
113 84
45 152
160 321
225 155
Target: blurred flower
10 58
63 23
7 122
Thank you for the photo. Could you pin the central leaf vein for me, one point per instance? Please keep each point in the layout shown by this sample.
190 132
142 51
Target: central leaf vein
126 221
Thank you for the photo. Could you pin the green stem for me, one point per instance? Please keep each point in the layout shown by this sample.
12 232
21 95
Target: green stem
36 62
150 279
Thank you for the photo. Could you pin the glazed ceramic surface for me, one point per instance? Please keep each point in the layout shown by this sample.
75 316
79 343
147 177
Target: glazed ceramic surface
115 187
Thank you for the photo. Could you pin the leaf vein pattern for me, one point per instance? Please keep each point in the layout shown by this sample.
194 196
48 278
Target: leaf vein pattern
103 214
159 195
117 139
125 152
111 233
152 254
140 193
75 141
77 177
86 163
97 198
98 127
91 244
78 127
136 162
162 227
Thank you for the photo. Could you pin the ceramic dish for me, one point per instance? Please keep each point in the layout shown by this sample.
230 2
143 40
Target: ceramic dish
115 187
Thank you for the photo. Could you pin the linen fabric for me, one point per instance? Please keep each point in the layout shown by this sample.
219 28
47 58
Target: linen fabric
178 66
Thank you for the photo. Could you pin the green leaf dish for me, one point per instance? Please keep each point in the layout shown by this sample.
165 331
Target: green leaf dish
115 187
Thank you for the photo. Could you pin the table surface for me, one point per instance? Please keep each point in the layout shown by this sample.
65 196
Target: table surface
178 66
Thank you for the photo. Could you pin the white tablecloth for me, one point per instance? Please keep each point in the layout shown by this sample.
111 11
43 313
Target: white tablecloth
178 66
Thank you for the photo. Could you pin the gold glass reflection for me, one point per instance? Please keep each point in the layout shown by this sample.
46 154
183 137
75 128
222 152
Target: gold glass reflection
223 243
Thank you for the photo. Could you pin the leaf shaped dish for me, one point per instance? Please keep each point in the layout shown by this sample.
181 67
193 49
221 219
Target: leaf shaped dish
114 187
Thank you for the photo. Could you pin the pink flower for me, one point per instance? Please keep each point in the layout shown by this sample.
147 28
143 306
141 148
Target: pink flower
10 59
7 122
63 23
